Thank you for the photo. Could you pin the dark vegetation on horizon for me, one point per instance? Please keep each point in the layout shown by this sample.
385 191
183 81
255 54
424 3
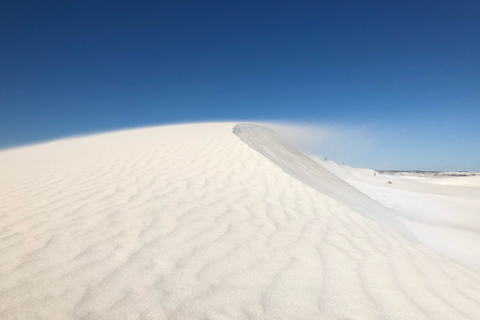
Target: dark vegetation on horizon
428 173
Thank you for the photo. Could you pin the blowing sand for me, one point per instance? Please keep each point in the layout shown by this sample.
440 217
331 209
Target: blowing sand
217 221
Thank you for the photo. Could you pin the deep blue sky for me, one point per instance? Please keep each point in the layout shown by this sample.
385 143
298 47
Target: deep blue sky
409 71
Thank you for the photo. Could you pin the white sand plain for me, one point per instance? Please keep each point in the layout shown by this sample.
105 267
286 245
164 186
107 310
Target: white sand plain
218 221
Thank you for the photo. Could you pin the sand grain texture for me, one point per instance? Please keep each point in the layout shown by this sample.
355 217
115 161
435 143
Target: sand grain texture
191 222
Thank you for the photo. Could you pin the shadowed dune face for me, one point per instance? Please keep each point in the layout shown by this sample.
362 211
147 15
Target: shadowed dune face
300 166
190 222
445 219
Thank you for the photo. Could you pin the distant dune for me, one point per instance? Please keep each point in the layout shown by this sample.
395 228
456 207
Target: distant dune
228 221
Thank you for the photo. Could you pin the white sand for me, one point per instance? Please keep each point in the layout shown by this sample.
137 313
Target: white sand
196 222
442 213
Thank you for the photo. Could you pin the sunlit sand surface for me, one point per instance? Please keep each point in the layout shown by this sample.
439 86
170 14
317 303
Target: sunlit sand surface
227 221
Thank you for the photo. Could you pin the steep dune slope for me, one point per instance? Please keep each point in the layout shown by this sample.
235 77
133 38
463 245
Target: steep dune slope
190 222
300 166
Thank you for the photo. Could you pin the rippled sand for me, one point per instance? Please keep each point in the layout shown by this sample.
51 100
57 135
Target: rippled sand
202 221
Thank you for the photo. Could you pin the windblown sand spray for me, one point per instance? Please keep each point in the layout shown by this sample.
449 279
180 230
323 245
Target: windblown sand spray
301 167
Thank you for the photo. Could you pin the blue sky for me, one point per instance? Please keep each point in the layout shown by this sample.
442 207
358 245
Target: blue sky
406 72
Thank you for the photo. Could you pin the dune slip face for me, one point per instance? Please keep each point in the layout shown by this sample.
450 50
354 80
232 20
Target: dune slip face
207 221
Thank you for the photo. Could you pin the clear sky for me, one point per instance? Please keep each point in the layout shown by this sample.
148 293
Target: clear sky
406 74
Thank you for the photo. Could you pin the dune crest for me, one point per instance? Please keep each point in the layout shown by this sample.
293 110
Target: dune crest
303 168
190 222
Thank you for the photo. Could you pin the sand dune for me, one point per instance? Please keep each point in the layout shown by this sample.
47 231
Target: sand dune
208 221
